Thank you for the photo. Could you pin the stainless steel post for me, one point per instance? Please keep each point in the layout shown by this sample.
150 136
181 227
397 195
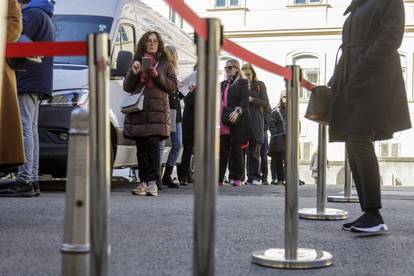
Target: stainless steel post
322 213
76 247
3 28
99 152
206 151
291 256
347 197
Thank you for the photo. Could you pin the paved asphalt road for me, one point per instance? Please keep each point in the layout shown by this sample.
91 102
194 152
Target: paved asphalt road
153 235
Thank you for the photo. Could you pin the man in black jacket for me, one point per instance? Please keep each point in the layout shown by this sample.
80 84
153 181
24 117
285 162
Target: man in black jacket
32 86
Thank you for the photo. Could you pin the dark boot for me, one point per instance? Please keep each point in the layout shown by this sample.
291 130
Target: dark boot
167 180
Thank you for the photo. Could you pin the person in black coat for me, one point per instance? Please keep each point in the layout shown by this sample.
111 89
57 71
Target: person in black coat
234 97
264 150
258 102
277 147
369 101
188 137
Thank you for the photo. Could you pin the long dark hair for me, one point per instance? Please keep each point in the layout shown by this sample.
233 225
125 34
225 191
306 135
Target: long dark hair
142 47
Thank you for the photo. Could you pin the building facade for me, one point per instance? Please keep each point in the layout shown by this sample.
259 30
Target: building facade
307 33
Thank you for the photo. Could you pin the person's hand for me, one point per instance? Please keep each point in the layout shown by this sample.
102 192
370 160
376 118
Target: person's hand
136 66
179 85
250 99
192 88
233 116
151 72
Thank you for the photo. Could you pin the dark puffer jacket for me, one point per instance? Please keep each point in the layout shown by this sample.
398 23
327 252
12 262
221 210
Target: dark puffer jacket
154 120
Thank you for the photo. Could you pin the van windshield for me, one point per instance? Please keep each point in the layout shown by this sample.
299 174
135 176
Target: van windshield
77 28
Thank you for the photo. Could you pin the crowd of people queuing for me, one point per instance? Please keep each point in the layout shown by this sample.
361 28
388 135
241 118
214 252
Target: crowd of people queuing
362 81
245 112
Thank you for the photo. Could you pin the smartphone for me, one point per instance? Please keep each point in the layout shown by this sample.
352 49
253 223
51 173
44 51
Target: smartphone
146 63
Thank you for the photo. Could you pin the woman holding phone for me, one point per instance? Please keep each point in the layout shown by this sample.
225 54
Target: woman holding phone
151 125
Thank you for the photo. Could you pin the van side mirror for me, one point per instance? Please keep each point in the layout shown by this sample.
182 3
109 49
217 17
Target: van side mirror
122 64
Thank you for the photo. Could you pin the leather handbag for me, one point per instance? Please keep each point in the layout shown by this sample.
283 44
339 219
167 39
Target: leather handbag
226 117
319 105
133 103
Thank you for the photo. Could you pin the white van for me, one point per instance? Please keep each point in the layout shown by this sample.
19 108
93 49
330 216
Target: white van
126 21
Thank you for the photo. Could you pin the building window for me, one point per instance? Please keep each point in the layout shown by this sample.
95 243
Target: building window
306 151
310 70
389 149
176 19
227 3
304 2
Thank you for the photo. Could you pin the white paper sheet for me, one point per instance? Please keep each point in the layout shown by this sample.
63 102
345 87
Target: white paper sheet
189 81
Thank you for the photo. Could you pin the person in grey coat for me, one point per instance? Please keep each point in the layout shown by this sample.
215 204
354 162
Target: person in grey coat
369 102
258 103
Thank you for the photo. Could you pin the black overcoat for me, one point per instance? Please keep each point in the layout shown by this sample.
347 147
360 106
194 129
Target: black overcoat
259 103
368 85
277 128
238 96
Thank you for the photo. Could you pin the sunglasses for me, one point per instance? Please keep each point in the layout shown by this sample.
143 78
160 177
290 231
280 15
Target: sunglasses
229 67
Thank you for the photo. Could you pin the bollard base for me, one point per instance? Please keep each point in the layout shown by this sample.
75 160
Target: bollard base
306 258
343 199
327 214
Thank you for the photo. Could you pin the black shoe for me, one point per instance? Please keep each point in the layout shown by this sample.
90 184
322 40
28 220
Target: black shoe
190 179
370 223
36 188
347 226
167 181
18 189
274 182
301 182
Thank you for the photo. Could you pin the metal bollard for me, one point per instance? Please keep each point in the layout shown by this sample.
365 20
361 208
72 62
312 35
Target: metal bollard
76 248
291 256
320 212
99 148
206 151
3 25
347 197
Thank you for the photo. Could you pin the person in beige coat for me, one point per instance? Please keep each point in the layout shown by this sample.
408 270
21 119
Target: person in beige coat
11 135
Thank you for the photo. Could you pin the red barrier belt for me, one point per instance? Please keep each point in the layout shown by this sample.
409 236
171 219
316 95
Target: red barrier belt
46 49
265 64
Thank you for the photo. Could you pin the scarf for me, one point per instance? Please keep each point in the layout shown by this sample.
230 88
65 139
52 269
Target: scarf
145 79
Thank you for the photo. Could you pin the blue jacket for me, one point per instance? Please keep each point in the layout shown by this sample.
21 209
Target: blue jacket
38 26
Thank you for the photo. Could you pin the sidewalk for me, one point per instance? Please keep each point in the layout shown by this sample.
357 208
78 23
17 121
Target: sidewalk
153 236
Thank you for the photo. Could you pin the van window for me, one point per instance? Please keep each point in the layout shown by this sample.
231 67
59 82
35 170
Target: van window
125 41
77 28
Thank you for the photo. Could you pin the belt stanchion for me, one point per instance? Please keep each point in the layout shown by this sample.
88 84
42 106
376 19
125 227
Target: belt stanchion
99 151
76 247
291 256
320 212
347 197
206 151
3 29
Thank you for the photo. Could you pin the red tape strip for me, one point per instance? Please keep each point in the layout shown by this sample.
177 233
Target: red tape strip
265 64
46 49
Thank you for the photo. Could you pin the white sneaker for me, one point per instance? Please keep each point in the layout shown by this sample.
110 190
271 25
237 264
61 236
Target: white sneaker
152 189
141 189
256 182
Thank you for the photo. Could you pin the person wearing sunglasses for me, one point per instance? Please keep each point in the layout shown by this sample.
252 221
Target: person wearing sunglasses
235 127
258 103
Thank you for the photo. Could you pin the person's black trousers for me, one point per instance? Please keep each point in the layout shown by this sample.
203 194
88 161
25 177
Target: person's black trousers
365 170
253 161
186 161
148 155
264 159
232 151
277 166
